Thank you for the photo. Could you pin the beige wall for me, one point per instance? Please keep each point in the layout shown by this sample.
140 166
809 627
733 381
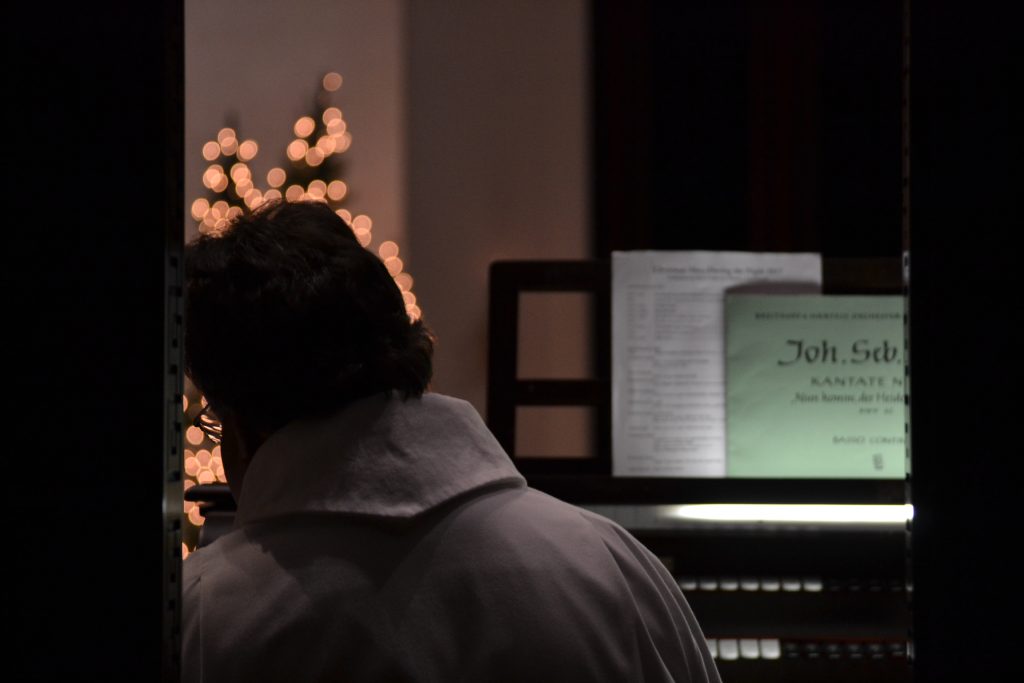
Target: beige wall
263 60
497 169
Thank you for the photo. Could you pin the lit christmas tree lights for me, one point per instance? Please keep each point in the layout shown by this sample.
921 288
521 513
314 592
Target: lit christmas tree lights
311 171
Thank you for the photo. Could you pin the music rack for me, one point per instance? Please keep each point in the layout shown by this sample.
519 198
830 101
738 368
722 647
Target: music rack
796 602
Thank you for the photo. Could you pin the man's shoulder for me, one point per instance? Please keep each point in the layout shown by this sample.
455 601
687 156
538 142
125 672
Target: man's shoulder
524 517
584 573
209 559
530 503
526 505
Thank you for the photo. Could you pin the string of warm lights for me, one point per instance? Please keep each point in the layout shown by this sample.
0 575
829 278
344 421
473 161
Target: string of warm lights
310 174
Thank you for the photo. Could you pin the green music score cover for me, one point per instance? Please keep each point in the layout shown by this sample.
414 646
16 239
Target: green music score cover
815 386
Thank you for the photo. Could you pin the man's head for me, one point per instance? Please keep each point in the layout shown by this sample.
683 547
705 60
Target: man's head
287 315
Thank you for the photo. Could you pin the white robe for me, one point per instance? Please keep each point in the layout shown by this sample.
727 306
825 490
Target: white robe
396 541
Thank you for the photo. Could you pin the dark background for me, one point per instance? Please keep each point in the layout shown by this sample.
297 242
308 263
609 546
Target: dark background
93 143
744 125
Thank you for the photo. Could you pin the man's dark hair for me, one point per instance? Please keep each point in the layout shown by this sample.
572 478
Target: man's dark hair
287 315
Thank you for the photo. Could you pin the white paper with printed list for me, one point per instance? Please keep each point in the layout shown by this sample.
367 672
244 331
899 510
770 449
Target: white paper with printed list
668 353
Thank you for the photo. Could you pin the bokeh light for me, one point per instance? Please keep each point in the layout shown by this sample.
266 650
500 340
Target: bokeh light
331 114
317 188
211 150
336 190
304 127
297 149
276 177
248 150
212 174
314 156
194 435
326 144
344 142
253 198
199 209
404 281
332 81
240 171
191 464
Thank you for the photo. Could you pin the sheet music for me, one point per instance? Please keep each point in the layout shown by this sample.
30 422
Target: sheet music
668 354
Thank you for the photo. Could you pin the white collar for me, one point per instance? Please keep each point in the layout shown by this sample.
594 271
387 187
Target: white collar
381 456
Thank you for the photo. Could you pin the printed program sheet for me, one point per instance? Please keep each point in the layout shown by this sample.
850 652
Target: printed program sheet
668 353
